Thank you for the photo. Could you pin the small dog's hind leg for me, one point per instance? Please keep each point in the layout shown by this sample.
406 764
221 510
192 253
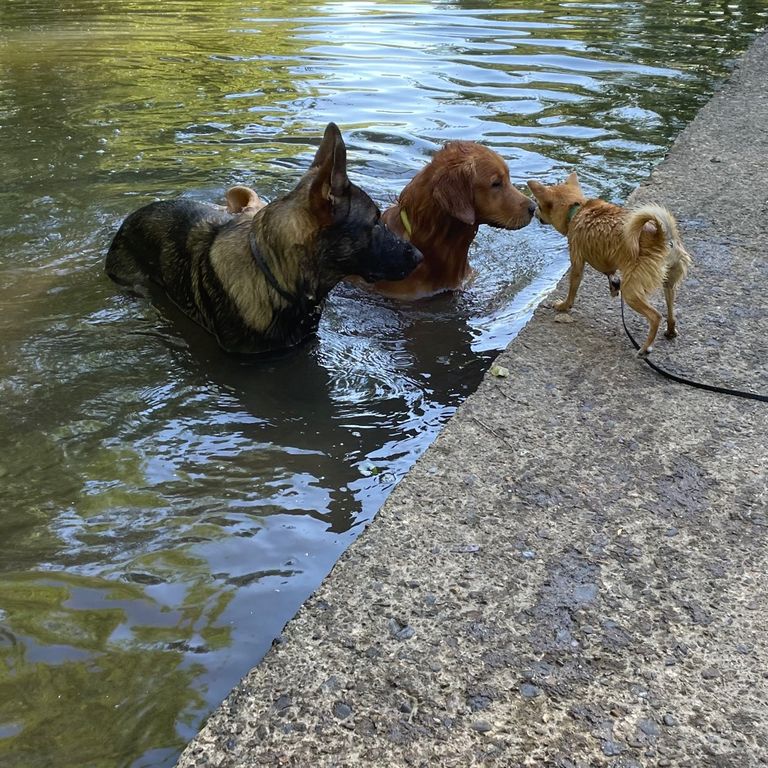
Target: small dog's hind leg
642 307
669 295
672 281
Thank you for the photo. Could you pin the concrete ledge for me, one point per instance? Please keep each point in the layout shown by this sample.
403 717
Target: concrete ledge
575 573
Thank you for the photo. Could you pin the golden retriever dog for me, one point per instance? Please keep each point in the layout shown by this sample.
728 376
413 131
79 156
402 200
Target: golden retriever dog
643 244
440 210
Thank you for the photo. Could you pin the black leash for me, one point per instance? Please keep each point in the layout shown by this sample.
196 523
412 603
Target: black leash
682 380
267 272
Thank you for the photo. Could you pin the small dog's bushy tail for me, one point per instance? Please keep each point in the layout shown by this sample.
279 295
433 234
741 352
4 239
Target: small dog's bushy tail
657 251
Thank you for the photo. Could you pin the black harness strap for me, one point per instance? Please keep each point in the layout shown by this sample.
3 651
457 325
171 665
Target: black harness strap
682 380
266 271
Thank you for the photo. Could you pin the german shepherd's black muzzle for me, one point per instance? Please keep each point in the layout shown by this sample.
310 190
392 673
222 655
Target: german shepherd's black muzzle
392 258
258 280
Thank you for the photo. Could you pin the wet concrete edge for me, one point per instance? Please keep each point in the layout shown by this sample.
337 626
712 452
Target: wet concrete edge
574 574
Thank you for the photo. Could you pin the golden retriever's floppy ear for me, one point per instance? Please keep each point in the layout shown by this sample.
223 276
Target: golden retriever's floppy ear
454 193
331 180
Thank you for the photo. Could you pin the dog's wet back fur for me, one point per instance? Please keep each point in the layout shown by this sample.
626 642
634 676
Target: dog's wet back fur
256 275
643 244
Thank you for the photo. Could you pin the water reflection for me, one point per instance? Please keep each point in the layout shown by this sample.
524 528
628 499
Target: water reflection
166 508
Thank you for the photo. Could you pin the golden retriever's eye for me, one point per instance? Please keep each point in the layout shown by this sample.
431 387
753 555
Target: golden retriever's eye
496 183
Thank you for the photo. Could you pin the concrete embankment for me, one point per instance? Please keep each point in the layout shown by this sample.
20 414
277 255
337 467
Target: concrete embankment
575 574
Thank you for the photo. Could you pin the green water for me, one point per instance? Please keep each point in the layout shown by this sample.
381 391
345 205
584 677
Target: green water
163 509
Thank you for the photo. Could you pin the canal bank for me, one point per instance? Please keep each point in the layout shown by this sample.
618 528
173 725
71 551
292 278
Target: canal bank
574 574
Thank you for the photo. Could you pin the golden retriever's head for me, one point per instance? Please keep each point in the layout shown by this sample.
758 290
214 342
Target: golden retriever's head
555 203
471 183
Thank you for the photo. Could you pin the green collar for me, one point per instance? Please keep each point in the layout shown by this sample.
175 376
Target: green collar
572 211
406 222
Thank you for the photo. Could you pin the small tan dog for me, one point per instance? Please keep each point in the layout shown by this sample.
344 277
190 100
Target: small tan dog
642 243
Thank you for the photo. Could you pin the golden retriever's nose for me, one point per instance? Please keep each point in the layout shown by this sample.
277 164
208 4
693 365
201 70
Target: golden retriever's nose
531 208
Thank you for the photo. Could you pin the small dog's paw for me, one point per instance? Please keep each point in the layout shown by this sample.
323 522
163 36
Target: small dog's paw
561 306
671 333
643 353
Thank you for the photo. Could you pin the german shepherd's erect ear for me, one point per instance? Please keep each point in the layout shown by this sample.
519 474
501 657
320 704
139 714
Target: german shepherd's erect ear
331 183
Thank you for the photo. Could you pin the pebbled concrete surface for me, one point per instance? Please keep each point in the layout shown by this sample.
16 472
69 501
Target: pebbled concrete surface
575 573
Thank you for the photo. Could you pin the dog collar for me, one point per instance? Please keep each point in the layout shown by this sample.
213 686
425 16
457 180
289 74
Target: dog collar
266 271
406 222
572 211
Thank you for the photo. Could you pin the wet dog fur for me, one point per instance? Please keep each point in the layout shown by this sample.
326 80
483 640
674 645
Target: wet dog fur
440 210
256 275
643 244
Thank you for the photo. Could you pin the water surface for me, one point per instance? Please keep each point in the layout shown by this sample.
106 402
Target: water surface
166 509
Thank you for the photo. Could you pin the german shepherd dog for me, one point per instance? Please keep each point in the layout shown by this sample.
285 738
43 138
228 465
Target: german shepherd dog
257 279
643 244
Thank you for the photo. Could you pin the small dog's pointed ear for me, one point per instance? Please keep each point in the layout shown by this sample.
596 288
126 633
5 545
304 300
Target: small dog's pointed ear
331 180
536 187
572 180
454 193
